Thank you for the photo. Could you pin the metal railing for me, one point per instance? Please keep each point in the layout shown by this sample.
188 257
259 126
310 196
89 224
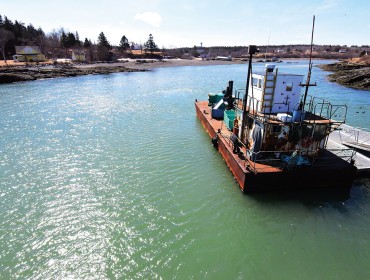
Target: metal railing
358 134
274 159
269 159
324 109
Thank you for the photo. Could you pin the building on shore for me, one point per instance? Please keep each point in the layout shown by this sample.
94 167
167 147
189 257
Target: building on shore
28 54
78 56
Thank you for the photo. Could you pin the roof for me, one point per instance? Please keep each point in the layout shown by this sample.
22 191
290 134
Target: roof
27 50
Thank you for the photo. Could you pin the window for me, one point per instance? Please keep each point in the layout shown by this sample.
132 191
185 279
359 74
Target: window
254 82
257 82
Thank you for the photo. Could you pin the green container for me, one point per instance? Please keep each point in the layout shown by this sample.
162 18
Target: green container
229 117
211 98
219 96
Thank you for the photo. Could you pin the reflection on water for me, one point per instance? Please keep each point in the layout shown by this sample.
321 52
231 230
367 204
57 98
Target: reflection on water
113 176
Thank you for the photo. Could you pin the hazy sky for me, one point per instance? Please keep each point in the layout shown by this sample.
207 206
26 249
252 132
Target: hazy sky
177 23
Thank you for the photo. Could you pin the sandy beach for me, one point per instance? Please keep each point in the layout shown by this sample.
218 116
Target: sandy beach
148 64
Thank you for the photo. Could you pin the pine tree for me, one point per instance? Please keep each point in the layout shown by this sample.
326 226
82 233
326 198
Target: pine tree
70 40
63 39
123 44
103 48
150 45
78 42
87 43
102 41
8 24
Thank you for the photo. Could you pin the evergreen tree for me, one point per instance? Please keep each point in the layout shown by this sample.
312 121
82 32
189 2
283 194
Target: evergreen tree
32 32
78 42
87 43
70 40
40 31
102 41
19 29
103 48
123 44
150 45
63 39
8 24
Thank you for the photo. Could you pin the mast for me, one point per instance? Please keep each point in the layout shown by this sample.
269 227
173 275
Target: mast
309 67
251 51
268 42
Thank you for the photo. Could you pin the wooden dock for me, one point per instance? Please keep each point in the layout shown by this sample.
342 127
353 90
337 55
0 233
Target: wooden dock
358 139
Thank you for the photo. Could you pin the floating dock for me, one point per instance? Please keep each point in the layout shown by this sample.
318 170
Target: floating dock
329 170
356 138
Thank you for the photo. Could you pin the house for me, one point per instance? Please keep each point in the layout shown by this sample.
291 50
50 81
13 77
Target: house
135 46
28 54
78 56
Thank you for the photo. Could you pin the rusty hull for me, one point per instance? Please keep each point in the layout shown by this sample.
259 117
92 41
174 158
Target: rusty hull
337 174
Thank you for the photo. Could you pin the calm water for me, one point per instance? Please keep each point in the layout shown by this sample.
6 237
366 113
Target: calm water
113 177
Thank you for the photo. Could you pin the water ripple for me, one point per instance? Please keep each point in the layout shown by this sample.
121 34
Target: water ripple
112 176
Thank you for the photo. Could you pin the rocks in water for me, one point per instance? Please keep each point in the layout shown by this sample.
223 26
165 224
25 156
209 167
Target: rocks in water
6 78
351 74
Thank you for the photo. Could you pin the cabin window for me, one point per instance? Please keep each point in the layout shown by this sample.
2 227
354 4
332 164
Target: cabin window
257 82
254 82
289 86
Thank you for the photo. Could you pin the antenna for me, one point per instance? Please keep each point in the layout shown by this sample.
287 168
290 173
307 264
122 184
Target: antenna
268 42
309 66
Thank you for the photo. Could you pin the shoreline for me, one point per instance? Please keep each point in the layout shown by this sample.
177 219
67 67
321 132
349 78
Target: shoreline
348 74
351 75
18 72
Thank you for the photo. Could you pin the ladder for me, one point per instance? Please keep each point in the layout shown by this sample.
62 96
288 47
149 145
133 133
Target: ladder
268 91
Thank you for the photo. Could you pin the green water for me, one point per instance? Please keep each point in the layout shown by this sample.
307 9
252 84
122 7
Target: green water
113 177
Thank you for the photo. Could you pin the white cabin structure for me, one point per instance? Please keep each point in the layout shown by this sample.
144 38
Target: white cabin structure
273 93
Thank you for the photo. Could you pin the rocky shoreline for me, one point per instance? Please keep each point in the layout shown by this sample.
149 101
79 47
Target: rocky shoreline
350 73
353 73
11 74
21 74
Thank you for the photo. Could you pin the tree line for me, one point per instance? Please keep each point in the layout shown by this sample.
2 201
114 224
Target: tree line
57 44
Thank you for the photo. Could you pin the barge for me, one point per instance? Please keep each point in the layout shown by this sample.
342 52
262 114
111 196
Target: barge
272 137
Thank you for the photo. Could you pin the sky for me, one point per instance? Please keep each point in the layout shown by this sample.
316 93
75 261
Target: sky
178 23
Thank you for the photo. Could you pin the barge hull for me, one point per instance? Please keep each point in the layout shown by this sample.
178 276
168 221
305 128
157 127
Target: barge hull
333 173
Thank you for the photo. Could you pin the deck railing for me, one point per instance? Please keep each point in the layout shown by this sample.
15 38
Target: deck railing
324 109
275 158
359 134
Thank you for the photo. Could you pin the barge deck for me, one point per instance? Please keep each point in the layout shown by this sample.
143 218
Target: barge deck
329 171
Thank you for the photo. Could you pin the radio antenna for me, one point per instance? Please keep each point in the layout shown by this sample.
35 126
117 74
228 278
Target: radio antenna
309 67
